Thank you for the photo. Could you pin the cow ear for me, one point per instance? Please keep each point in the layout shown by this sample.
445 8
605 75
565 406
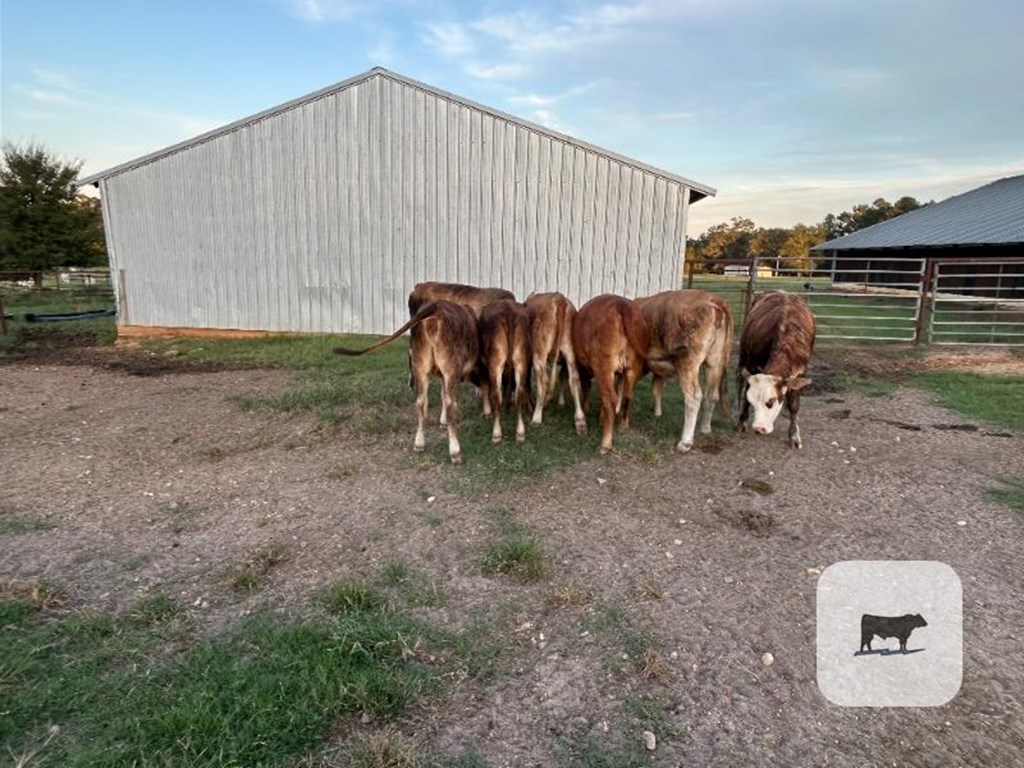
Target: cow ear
797 383
745 374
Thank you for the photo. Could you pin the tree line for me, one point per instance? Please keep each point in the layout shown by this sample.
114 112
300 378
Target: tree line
740 239
44 221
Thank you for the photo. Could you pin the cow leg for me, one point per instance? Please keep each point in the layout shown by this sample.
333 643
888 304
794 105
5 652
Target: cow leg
689 384
521 398
744 405
712 387
903 644
574 388
449 397
585 381
540 371
629 380
793 405
422 383
494 375
483 394
606 388
657 387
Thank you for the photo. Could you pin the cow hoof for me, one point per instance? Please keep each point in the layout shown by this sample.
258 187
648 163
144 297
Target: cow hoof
419 448
684 447
536 421
797 444
496 439
581 428
604 450
456 458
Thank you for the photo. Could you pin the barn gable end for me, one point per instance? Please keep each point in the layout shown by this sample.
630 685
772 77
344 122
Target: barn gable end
320 214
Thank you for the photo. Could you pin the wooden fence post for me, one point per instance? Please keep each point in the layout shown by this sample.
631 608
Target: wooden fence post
922 304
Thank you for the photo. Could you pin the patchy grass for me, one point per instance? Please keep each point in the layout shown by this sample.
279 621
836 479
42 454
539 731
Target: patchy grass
37 594
125 690
13 525
998 400
249 576
24 338
1010 493
516 552
861 384
412 587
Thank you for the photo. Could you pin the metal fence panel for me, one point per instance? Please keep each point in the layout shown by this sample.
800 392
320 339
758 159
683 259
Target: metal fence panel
978 303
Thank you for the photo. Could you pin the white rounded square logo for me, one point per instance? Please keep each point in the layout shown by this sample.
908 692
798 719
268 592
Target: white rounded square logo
890 633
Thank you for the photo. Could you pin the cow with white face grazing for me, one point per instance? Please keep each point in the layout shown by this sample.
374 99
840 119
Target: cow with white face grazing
777 342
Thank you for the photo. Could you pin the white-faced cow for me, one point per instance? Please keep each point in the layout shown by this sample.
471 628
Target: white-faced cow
777 342
610 336
504 360
551 319
443 343
690 330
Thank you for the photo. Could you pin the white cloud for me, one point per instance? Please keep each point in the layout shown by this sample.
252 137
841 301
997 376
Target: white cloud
450 39
496 71
324 11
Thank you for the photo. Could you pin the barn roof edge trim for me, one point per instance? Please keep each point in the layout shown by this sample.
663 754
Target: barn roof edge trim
701 189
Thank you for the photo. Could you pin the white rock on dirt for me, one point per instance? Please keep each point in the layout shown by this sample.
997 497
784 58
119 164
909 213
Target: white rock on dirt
767 660
650 742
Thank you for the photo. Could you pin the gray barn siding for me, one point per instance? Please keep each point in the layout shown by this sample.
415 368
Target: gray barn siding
319 218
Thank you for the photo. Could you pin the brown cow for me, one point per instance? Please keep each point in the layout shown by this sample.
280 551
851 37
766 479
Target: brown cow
473 297
504 352
689 330
443 343
610 336
551 319
777 342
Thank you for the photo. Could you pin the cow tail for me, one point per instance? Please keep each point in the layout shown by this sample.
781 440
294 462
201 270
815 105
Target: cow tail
637 334
422 314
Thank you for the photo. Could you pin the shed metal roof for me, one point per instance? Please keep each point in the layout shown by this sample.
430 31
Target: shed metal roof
699 190
989 215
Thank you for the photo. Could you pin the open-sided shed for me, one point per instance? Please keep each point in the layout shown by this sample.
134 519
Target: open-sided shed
319 215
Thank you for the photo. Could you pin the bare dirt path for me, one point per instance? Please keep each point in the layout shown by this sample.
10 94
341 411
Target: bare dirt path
160 482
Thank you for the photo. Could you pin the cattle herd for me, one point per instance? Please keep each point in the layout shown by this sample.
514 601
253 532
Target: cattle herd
460 332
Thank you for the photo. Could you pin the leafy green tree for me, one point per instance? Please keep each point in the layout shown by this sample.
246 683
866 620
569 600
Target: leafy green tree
44 222
725 242
767 244
795 253
861 216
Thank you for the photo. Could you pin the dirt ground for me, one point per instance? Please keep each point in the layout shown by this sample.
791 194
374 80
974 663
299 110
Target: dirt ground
158 481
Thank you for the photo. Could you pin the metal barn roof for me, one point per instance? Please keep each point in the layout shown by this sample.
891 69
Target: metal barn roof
699 190
989 215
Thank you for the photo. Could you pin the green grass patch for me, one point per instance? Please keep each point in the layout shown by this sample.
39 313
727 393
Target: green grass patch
864 385
24 338
411 586
998 400
1010 493
516 552
251 574
12 525
124 690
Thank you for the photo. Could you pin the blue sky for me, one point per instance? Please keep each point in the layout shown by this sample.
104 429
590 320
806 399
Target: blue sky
790 109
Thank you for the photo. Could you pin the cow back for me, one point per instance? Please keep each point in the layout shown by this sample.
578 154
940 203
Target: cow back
778 335
469 295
